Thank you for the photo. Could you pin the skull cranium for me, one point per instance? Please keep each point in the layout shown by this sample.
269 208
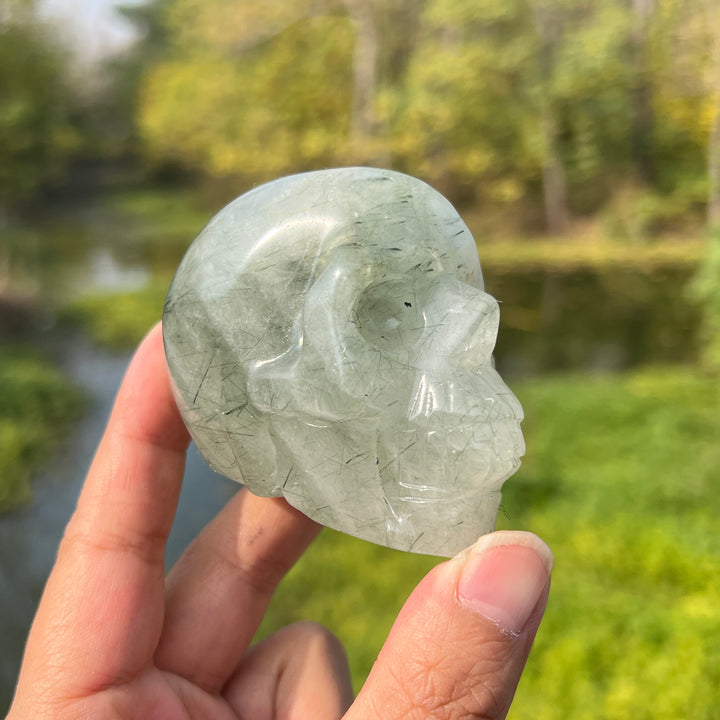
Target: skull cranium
330 341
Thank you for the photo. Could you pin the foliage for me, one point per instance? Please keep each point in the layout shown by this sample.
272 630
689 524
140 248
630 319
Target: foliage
502 103
637 215
620 479
561 255
119 320
35 130
108 122
265 98
706 291
521 108
476 92
37 406
157 215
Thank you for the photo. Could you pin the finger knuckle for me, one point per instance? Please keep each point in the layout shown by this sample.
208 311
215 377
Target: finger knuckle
144 546
261 575
317 637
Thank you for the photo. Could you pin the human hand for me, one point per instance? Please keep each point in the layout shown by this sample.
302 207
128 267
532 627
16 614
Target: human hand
114 639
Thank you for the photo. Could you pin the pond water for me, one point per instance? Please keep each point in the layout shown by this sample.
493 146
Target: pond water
593 320
583 321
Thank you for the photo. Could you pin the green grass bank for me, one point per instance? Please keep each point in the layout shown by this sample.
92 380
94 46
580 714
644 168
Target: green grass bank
38 405
117 321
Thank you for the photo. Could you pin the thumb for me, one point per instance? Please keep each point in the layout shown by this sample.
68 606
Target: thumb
460 643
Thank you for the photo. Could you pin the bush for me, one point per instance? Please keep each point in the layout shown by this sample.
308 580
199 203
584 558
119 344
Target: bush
117 321
706 291
38 404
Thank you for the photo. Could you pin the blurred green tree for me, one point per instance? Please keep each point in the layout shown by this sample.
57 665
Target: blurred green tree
703 29
249 89
683 65
569 107
107 118
275 88
36 135
519 99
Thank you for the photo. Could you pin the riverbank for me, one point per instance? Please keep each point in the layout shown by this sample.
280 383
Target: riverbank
37 410
116 321
107 264
596 317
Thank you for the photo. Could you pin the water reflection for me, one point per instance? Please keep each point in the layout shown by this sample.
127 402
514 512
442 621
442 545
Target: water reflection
107 273
587 320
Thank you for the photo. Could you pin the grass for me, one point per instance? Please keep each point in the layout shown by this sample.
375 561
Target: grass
621 479
37 406
160 215
119 320
567 255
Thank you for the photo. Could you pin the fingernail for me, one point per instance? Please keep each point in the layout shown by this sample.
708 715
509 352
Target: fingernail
503 577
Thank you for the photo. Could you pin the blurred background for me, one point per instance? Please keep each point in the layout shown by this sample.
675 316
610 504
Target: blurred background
579 139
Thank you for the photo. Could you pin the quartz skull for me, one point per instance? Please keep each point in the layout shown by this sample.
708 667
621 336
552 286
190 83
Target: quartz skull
329 340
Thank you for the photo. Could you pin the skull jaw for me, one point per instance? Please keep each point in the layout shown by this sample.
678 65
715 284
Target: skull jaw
406 490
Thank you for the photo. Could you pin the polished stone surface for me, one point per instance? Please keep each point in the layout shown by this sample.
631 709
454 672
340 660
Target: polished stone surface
329 340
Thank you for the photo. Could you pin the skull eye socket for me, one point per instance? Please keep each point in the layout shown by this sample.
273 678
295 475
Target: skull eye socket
388 314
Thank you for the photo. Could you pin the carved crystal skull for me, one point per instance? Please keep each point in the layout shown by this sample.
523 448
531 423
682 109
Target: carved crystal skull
329 340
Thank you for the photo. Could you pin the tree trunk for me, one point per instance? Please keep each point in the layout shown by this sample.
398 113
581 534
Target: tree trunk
362 124
553 174
553 170
713 149
641 92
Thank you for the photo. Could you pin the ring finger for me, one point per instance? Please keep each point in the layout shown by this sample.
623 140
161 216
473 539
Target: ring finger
300 671
219 590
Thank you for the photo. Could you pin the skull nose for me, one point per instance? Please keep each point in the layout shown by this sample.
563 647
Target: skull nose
461 325
388 314
483 321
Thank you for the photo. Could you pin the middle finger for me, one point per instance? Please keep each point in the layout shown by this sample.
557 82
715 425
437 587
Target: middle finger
218 591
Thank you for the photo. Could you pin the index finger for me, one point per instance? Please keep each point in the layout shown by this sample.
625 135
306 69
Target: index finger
102 610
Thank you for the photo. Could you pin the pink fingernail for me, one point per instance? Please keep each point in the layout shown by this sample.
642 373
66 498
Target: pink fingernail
503 577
